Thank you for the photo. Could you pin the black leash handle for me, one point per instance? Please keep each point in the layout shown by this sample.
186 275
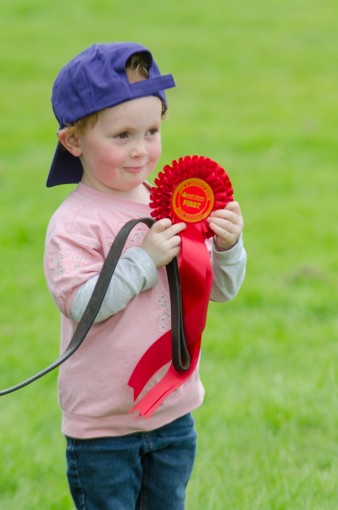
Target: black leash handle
180 354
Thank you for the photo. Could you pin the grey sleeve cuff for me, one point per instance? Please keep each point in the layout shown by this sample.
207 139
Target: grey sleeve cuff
228 271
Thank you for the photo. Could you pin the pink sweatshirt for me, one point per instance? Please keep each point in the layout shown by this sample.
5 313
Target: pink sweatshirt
93 384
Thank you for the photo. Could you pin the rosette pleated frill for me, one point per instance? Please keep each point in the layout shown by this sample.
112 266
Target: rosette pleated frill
187 190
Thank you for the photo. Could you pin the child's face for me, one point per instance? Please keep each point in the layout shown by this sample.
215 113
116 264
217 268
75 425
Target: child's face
120 151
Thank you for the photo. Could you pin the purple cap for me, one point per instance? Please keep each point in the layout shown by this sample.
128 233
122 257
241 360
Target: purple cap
93 80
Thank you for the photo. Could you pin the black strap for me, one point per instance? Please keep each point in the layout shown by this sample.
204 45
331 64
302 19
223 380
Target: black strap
180 354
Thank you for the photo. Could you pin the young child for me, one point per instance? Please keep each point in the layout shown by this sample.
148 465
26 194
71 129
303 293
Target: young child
109 102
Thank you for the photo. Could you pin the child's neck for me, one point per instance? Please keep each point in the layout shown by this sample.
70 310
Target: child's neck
139 194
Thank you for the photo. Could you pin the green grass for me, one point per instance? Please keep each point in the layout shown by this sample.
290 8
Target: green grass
256 90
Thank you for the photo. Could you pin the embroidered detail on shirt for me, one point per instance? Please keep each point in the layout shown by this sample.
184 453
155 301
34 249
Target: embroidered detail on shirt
57 263
78 259
61 263
135 237
162 304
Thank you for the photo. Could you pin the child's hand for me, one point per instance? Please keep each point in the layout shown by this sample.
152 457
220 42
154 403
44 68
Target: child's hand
227 224
162 242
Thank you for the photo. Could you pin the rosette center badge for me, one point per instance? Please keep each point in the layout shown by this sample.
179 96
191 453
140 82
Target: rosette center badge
192 200
189 190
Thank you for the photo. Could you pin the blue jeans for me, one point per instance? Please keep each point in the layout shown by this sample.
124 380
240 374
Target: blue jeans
141 471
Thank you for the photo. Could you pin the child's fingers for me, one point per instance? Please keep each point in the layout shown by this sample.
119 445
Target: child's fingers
166 225
233 206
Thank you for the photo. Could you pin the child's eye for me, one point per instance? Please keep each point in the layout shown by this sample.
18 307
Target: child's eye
153 131
122 135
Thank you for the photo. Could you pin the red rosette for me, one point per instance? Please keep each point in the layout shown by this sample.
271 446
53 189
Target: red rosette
189 190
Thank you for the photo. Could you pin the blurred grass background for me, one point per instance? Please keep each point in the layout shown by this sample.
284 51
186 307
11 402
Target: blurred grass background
256 91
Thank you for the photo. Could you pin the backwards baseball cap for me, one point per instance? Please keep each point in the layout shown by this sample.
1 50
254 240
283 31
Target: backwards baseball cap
93 80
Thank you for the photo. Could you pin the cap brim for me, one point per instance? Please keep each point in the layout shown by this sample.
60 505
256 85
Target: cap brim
65 168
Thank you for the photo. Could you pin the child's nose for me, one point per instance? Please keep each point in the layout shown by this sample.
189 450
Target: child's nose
138 149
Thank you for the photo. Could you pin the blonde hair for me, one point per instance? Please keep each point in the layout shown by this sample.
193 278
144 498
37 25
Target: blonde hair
137 69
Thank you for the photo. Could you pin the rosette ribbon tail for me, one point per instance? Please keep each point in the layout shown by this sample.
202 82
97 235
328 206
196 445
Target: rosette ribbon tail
196 282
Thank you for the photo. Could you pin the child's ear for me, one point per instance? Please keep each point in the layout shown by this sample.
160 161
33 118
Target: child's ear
70 141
